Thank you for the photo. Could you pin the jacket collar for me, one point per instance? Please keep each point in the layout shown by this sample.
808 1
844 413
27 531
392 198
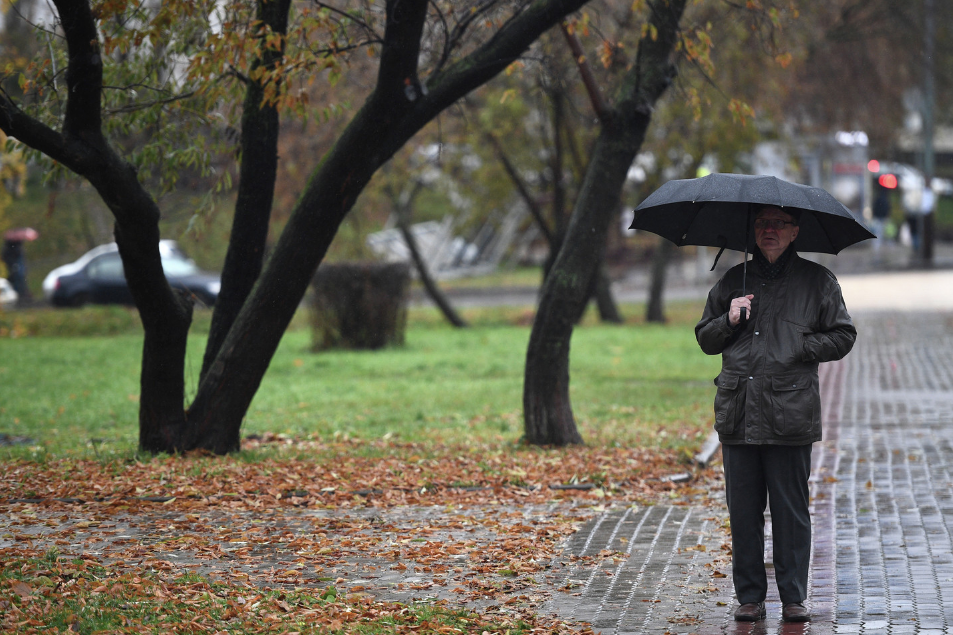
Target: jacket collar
777 269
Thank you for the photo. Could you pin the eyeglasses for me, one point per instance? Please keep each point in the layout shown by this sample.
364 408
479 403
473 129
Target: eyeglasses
772 223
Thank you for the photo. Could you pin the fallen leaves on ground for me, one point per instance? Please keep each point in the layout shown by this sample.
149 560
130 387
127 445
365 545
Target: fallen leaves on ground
337 537
78 595
355 474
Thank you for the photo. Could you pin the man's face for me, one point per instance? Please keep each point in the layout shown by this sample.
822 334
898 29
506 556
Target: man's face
771 241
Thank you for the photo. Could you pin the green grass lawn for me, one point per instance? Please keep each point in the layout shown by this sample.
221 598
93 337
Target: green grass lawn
633 384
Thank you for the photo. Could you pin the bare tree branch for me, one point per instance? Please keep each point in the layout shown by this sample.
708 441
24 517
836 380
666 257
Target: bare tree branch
15 123
348 16
599 105
534 208
453 38
403 206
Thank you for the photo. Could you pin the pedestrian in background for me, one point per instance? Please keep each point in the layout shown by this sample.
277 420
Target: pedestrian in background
15 261
880 213
767 405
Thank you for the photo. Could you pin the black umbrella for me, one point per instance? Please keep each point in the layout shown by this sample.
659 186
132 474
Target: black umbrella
717 211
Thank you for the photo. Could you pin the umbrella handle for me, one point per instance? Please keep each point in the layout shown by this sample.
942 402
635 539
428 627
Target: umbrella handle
744 277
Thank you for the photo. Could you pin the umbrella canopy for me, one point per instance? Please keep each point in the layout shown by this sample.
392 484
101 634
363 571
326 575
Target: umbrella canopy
716 211
21 234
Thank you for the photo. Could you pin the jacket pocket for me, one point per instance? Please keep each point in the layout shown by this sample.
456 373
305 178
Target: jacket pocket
793 405
729 403
791 341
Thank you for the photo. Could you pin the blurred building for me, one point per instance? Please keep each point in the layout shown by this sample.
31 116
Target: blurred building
909 149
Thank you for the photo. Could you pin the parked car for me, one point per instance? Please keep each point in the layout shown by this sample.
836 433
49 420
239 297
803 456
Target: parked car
97 277
8 296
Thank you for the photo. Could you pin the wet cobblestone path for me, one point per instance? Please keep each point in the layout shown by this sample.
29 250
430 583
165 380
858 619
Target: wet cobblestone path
662 583
882 498
886 481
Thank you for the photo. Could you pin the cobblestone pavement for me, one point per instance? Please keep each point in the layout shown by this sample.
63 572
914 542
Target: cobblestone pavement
664 584
882 497
887 490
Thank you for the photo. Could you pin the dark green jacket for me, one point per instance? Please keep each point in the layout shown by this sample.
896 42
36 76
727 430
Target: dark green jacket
768 387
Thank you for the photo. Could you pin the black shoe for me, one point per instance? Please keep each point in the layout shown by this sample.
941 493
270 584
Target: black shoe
751 612
795 612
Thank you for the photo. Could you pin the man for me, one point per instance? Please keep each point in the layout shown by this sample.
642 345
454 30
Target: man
767 406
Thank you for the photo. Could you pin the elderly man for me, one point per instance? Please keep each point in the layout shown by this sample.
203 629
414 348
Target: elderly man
767 405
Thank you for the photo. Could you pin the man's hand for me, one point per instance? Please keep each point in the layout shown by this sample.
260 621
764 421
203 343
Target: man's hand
734 312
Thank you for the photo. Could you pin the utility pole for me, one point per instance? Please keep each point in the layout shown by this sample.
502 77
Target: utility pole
929 97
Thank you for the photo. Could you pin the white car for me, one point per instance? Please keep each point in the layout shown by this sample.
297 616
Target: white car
98 277
49 282
8 297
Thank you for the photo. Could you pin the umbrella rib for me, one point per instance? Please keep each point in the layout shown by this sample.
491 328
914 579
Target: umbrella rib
694 216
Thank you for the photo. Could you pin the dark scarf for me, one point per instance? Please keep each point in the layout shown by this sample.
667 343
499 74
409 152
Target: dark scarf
773 270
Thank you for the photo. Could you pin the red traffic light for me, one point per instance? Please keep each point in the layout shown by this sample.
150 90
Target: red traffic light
888 181
873 165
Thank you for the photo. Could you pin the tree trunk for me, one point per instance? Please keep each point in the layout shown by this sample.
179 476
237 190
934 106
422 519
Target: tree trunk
547 411
256 188
166 317
162 418
605 301
600 292
654 310
557 96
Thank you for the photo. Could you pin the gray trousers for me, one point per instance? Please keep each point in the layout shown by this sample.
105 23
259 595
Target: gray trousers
754 475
